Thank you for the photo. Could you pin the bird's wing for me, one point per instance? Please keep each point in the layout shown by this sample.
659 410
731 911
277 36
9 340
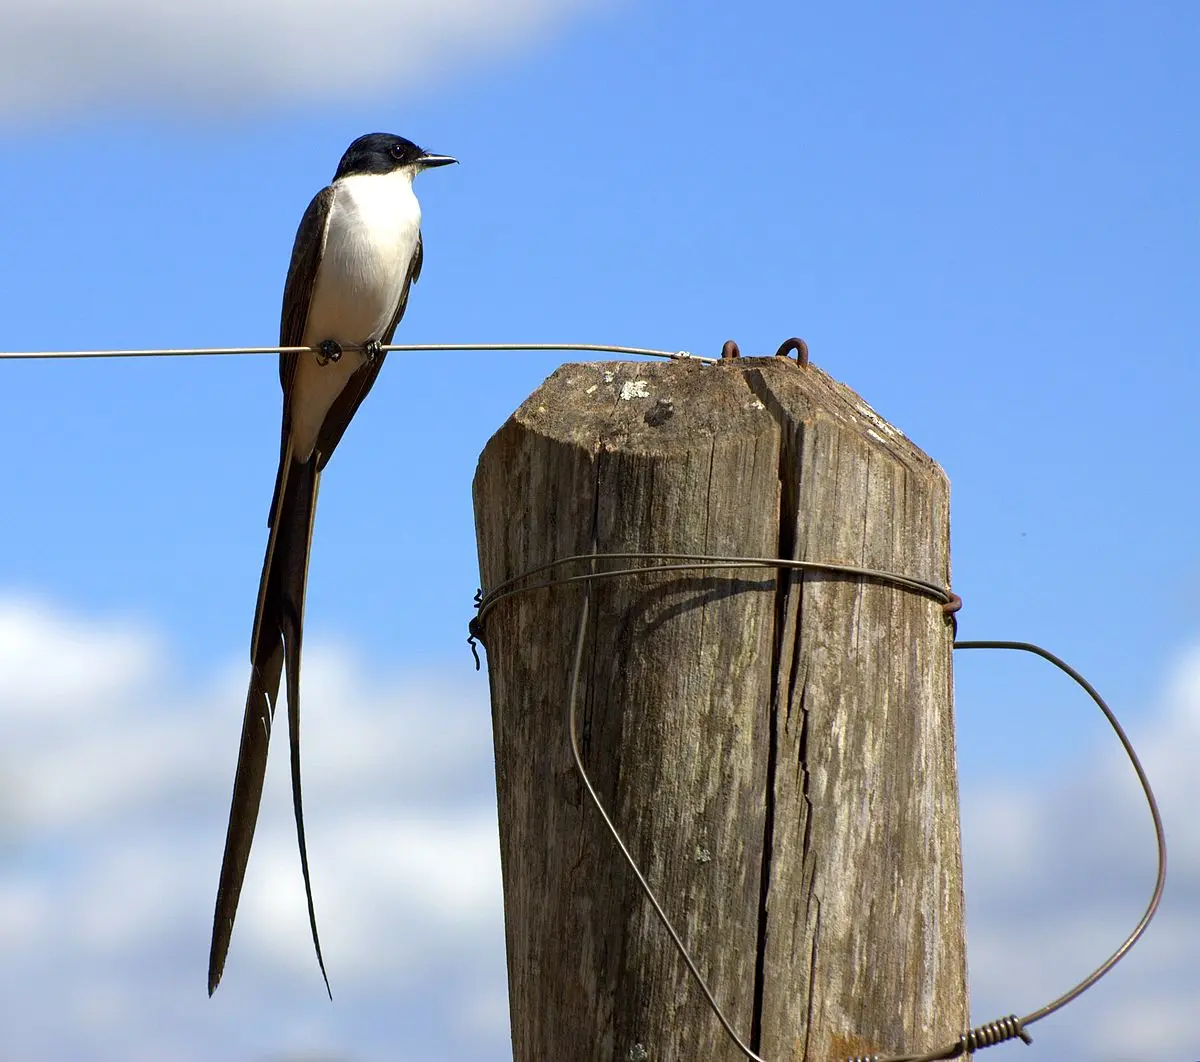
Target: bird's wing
297 295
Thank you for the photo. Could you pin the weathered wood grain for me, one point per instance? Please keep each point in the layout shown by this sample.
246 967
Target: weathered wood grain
778 750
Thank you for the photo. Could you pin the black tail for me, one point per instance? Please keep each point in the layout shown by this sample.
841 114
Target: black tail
275 643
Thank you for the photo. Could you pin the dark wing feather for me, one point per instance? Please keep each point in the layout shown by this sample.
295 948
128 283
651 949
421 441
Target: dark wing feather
307 249
298 289
346 404
302 274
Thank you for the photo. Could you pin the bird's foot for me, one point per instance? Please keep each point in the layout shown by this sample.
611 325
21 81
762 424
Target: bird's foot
372 350
329 350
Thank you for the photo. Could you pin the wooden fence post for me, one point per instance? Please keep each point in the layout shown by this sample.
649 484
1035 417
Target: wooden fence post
776 749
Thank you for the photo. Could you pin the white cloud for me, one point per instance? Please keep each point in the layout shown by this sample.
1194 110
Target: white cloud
115 777
49 663
114 786
62 54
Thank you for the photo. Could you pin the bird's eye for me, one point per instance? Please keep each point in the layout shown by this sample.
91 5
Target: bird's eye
397 151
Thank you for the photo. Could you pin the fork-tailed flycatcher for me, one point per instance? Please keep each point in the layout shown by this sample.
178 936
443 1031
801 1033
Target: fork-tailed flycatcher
357 252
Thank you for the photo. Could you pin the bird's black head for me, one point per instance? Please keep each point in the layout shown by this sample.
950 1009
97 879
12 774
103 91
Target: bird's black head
384 152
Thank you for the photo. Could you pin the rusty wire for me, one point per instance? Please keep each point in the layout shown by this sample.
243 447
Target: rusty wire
988 1034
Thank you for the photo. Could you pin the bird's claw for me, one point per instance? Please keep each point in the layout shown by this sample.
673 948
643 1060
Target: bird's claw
329 350
372 349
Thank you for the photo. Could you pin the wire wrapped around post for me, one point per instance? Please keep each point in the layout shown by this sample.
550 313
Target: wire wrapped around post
990 1033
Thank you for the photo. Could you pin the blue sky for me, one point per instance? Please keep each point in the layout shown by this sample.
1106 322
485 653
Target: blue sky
982 217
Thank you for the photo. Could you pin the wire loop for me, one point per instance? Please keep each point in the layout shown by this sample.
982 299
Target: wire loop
684 562
794 344
987 1035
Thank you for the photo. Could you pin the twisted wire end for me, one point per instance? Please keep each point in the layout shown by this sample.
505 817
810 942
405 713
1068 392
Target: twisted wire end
994 1032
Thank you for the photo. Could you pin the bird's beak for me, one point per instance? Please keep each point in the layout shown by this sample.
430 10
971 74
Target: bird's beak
428 162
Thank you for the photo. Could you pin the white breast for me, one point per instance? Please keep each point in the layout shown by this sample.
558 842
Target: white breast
374 225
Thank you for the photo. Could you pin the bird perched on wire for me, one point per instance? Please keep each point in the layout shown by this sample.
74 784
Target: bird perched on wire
356 255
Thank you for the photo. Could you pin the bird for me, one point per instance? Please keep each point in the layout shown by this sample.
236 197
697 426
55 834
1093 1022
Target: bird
357 253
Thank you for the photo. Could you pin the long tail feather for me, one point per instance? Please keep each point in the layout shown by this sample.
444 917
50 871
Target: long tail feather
277 636
293 639
243 815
